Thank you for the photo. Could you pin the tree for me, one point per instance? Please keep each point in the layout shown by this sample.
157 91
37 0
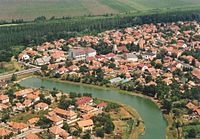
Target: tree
167 105
83 69
86 136
192 133
109 126
44 122
54 92
150 90
112 65
68 63
64 104
87 94
72 95
100 133
66 126
5 115
44 67
14 77
193 62
76 133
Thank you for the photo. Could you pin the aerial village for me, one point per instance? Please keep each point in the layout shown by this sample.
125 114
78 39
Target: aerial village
38 113
149 51
126 58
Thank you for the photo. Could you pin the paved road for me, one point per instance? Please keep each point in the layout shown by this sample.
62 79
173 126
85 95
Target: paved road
22 72
33 130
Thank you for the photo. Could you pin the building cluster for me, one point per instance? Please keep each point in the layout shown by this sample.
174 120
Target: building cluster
150 51
78 116
134 48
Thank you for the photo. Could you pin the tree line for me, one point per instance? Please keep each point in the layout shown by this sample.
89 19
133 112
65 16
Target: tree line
42 30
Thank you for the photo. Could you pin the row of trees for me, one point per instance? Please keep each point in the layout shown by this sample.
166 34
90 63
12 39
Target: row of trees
35 33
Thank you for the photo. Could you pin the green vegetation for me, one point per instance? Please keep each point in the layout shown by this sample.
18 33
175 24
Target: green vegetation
42 30
30 9
9 67
192 130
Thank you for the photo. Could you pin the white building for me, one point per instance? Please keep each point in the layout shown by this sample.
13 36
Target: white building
130 57
81 53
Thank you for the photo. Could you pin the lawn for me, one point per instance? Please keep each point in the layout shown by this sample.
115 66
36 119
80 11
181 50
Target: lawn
8 67
30 9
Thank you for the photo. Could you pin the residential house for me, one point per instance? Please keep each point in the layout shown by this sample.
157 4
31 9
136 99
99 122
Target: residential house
41 106
43 61
87 109
4 133
18 127
70 115
86 125
23 93
102 105
58 56
120 49
33 121
87 116
196 73
58 132
4 99
84 101
3 107
148 56
57 120
27 103
33 97
194 108
31 136
19 106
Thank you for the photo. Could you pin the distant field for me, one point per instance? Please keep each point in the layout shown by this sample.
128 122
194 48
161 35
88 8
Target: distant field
30 9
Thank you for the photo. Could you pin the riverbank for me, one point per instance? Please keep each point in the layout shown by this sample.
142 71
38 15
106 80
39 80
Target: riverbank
138 129
169 133
145 106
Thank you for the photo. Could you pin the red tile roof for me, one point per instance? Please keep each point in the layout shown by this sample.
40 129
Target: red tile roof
83 100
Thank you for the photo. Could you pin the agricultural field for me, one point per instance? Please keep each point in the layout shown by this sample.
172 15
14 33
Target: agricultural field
30 9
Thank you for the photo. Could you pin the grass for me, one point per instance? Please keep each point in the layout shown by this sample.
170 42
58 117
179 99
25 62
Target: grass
30 9
9 67
171 131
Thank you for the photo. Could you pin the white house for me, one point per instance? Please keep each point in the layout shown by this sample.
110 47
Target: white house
130 57
78 53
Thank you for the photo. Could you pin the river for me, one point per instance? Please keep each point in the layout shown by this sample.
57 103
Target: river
155 124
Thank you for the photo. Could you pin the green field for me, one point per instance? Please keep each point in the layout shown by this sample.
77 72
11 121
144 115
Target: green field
30 9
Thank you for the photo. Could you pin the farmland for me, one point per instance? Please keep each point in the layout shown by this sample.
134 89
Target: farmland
30 9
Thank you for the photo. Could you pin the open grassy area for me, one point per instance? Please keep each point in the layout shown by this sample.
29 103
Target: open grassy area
9 67
30 9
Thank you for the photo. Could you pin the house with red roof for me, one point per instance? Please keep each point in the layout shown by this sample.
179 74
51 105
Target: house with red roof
31 136
121 49
84 101
23 93
86 125
41 106
58 132
102 105
57 120
4 99
110 55
196 73
4 133
21 127
70 115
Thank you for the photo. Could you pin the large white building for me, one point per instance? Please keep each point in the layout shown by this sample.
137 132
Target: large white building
130 57
78 53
